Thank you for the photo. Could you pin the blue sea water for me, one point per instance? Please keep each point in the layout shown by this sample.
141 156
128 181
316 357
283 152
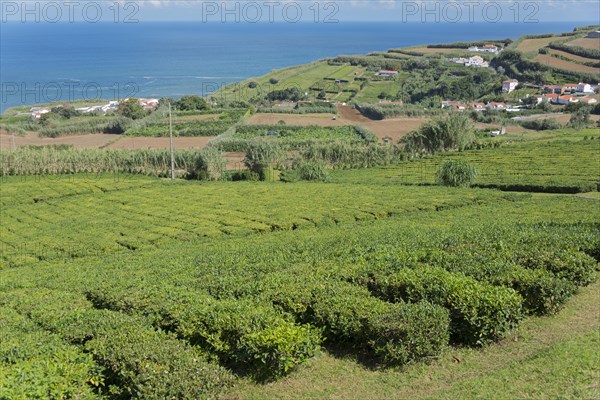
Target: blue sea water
50 62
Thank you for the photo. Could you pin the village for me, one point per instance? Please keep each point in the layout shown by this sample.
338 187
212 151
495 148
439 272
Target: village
110 107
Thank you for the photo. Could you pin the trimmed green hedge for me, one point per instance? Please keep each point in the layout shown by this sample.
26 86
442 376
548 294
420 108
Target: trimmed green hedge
479 313
398 333
251 337
139 361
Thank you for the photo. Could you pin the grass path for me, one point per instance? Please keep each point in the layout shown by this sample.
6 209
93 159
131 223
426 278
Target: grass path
547 358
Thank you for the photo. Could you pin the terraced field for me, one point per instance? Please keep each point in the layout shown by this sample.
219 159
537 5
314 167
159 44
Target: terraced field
390 275
556 165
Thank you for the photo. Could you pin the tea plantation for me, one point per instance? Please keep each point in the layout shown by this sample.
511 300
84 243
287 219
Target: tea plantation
119 286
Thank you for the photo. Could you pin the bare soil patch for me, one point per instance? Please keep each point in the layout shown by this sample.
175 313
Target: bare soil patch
528 45
160 143
588 43
294 119
95 140
572 56
563 64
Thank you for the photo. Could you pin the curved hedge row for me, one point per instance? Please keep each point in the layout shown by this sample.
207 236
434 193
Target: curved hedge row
251 337
36 364
480 313
139 362
398 333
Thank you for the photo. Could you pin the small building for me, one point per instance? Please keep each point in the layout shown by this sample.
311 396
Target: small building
502 131
454 105
37 112
488 48
588 100
478 106
509 85
570 87
554 89
585 88
496 106
594 35
566 99
476 61
552 98
387 73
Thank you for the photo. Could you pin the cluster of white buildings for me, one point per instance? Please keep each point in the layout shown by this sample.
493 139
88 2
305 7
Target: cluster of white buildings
488 48
147 104
475 61
493 105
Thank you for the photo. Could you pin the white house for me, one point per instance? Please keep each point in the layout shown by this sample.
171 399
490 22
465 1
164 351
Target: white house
496 106
564 100
509 85
476 61
387 73
585 88
588 100
488 48
37 112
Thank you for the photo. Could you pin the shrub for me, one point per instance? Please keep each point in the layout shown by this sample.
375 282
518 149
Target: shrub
273 81
306 171
252 85
262 156
541 124
456 173
479 313
398 333
453 132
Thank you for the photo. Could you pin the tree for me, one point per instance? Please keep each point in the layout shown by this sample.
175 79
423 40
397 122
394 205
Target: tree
252 85
322 95
453 132
191 103
580 118
456 173
262 156
530 101
131 108
273 81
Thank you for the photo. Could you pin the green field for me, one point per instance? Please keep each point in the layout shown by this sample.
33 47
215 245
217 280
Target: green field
239 284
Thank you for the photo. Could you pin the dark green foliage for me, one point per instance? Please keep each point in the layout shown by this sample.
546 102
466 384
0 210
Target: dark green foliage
119 125
132 109
398 333
541 124
453 132
580 118
263 156
290 94
191 103
251 337
306 171
456 173
139 361
252 85
480 313
576 50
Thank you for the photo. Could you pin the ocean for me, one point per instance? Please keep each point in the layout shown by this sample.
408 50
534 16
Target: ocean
57 62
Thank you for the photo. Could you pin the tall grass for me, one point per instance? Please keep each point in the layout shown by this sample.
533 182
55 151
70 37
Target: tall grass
200 164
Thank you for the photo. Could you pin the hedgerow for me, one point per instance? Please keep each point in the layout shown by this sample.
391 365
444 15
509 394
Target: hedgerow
139 362
251 337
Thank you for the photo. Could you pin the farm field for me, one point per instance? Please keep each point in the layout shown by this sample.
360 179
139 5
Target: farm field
587 43
533 45
572 56
564 64
95 140
393 128
554 164
298 256
343 261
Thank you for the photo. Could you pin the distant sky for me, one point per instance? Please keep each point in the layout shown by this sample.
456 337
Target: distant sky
321 11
